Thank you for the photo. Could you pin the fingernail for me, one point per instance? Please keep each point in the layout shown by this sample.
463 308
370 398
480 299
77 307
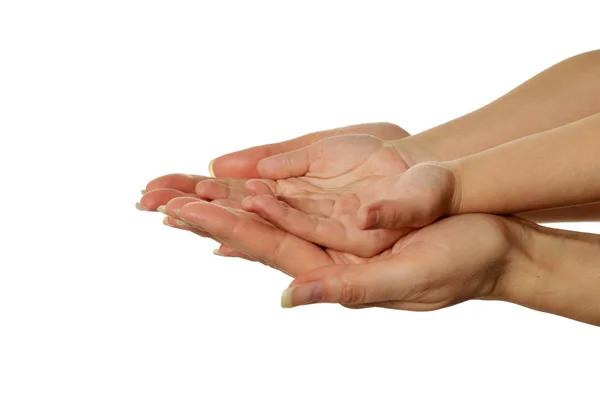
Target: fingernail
211 171
139 207
181 223
144 192
372 218
216 252
166 221
302 294
162 209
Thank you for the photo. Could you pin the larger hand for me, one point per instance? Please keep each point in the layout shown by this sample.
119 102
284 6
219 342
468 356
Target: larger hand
450 261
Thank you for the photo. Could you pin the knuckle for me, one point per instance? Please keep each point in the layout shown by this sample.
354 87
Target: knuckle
395 218
351 294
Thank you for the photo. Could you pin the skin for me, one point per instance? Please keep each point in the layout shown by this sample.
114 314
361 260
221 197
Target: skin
510 178
463 257
161 190
562 94
566 92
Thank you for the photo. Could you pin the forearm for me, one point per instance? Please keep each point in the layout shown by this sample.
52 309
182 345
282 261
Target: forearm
557 272
566 92
577 213
550 169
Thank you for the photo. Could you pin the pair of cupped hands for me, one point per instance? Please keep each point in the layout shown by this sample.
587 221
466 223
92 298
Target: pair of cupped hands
347 214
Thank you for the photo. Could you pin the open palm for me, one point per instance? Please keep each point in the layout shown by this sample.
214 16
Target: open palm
341 218
233 170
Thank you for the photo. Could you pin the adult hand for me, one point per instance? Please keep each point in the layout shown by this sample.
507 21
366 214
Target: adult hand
233 170
453 260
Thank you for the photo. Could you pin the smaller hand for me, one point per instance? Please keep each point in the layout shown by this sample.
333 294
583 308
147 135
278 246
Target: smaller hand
363 219
423 194
244 163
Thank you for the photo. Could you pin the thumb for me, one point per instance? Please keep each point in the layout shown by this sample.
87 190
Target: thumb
417 198
395 214
290 164
344 284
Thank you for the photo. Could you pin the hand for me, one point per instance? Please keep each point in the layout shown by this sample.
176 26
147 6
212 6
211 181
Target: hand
242 165
341 174
450 261
425 193
161 190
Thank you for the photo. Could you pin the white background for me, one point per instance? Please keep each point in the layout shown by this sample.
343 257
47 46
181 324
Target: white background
98 300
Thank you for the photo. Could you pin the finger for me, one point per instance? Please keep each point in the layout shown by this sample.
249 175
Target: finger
171 209
153 199
261 187
220 189
290 164
243 163
322 231
349 285
228 203
176 181
395 214
181 225
281 187
228 252
319 207
256 238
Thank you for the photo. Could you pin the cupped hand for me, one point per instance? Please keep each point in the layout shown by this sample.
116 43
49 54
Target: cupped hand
161 190
244 163
364 218
453 260
318 185
232 170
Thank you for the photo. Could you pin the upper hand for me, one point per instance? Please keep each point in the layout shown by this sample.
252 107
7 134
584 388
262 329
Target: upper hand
233 170
339 175
242 164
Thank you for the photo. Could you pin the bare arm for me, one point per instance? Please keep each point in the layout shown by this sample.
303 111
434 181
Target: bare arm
560 274
565 92
577 213
551 169
568 91
556 168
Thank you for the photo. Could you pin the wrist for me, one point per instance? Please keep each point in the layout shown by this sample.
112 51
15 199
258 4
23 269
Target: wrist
455 205
414 151
553 271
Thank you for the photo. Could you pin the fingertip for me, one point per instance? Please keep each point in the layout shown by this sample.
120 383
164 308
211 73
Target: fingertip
189 211
259 187
247 203
211 168
240 164
251 185
268 168
202 187
303 294
368 217
259 204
